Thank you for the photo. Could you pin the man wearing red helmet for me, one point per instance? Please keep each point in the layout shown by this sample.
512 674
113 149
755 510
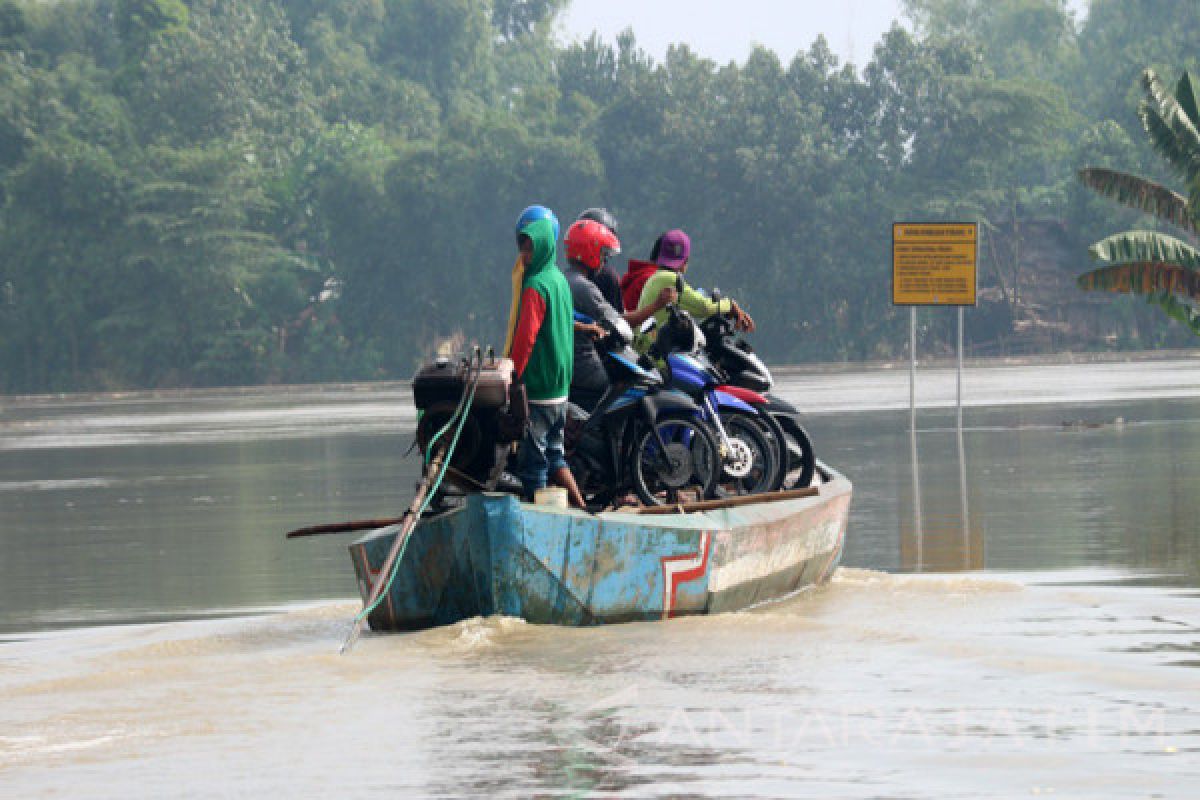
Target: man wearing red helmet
606 278
589 245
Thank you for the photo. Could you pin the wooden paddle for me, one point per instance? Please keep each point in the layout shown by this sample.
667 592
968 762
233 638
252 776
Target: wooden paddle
410 516
345 527
365 524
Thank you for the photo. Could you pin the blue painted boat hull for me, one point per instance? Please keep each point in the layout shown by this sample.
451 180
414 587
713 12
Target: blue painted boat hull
496 555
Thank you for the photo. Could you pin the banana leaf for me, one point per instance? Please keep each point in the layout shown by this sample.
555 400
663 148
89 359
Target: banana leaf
1185 95
1173 134
1132 247
1144 195
1179 311
1149 279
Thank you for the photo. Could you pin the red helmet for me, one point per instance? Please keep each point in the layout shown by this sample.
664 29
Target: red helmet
591 243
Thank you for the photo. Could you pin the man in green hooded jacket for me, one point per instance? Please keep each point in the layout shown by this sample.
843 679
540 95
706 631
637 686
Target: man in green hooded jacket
542 354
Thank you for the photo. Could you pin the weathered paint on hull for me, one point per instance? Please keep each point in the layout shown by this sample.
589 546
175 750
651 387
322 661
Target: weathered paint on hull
498 556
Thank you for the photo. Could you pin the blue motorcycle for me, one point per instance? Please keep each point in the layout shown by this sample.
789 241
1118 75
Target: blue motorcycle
641 437
751 440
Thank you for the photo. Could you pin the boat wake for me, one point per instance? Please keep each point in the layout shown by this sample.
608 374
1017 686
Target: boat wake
851 579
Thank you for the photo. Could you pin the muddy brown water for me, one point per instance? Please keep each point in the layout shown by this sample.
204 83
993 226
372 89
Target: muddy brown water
1019 616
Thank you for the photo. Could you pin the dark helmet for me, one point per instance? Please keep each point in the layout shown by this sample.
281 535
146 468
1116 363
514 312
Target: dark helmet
679 334
657 248
601 215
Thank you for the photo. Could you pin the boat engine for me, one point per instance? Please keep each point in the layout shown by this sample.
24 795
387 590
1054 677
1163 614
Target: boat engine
494 421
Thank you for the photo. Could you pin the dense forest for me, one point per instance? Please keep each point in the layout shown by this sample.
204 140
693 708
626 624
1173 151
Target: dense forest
218 192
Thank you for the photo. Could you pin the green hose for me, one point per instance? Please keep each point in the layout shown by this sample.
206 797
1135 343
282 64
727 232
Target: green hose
461 413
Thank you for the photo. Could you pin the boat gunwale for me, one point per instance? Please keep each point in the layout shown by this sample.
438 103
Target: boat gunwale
835 484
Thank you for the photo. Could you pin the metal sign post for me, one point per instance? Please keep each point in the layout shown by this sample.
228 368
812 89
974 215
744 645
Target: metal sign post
960 364
934 264
912 366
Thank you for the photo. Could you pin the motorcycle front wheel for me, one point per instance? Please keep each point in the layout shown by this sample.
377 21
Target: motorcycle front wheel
689 469
757 466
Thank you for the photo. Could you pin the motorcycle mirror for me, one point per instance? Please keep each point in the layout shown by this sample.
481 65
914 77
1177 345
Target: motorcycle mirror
715 294
621 329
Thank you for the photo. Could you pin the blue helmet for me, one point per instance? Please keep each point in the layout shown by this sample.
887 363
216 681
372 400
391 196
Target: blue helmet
534 213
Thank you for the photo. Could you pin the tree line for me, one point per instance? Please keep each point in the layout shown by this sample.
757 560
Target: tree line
219 192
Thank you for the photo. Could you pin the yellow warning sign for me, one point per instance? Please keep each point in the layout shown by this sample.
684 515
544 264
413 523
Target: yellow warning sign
933 263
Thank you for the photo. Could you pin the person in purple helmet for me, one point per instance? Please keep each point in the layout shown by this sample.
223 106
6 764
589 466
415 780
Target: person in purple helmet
674 253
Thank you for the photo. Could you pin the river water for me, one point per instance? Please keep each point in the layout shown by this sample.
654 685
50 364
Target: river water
1018 616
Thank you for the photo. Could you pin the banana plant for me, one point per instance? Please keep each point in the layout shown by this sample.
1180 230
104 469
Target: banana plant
1163 268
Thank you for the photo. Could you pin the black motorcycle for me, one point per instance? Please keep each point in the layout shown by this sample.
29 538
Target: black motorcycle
742 367
640 437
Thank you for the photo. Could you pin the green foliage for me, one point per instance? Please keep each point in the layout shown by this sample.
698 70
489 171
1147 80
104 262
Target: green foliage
1120 39
1178 310
141 23
12 24
513 19
1156 265
1141 194
77 191
198 192
1015 38
234 72
1170 121
1145 246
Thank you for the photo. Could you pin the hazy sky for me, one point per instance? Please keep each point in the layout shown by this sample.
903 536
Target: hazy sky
725 30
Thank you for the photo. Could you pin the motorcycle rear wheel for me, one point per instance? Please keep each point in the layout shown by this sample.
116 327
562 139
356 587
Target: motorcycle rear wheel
801 461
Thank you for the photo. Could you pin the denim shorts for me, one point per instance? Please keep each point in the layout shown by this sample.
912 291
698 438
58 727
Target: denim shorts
541 450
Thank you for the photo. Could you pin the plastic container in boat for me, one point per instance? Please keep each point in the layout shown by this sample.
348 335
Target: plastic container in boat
553 496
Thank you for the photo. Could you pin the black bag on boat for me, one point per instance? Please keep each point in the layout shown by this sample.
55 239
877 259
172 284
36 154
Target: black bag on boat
443 382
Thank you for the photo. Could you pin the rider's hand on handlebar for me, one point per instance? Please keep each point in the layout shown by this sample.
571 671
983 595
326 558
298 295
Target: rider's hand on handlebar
744 321
592 329
667 296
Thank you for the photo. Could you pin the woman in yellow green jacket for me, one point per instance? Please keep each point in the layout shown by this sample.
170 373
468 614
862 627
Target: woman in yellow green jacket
673 255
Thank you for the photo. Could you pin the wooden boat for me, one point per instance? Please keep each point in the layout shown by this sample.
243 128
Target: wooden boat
496 555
